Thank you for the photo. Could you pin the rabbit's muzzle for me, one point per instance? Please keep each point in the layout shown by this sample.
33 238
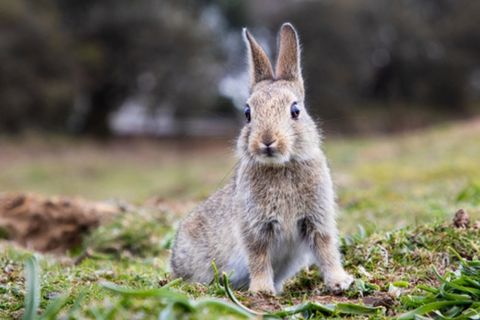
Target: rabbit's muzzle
270 149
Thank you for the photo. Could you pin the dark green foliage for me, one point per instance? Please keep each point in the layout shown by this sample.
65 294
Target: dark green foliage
457 296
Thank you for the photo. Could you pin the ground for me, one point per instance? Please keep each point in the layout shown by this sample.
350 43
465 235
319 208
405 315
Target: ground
397 197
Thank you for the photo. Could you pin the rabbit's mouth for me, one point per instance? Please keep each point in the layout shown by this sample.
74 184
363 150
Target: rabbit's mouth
270 151
271 156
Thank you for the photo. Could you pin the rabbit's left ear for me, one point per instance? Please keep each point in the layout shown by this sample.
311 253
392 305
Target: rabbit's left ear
288 61
260 65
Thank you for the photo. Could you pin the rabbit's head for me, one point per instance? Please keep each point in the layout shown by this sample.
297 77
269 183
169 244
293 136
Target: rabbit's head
278 128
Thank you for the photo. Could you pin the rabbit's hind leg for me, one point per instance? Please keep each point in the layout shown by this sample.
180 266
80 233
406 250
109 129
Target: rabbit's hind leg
191 255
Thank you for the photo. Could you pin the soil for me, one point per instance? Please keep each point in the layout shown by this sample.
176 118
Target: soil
265 302
50 224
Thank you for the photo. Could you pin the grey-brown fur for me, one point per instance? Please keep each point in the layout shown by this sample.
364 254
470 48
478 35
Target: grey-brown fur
277 214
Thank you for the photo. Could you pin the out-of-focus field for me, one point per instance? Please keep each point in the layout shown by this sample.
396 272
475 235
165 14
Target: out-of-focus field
132 170
389 182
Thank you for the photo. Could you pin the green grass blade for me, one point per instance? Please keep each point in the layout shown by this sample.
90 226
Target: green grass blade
470 313
97 314
234 299
163 293
472 291
453 312
456 297
428 308
416 301
427 288
143 293
401 284
473 283
32 287
308 307
216 280
356 309
76 304
168 313
172 283
223 306
459 257
54 308
418 317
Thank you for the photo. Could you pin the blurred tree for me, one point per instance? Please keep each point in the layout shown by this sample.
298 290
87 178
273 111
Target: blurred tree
79 60
382 53
72 63
118 41
36 68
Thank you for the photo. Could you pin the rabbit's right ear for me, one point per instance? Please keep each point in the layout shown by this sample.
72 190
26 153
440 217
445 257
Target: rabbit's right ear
259 63
288 60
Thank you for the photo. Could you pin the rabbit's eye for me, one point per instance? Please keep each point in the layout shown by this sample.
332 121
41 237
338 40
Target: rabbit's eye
294 111
247 113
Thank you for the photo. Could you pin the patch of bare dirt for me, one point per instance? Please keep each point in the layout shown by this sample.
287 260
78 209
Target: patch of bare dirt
53 224
266 302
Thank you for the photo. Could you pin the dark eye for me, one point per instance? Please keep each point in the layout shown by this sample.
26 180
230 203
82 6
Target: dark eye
247 113
294 111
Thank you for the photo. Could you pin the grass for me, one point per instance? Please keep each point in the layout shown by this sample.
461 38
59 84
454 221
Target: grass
458 295
402 191
389 268
129 170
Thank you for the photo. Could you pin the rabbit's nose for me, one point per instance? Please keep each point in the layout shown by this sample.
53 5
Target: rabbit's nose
268 147
268 143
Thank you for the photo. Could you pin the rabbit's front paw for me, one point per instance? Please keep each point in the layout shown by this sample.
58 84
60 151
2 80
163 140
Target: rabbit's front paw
261 286
338 282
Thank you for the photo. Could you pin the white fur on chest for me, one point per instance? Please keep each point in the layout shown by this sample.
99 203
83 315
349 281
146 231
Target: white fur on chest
289 254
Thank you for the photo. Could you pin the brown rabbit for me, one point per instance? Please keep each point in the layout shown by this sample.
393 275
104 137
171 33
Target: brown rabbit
277 214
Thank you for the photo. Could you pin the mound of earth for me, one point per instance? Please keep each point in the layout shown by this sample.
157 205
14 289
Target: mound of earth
53 224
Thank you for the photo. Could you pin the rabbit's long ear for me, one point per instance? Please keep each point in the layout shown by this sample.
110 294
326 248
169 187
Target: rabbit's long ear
259 63
288 61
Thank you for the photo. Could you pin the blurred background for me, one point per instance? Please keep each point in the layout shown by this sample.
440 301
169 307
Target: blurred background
177 68
141 98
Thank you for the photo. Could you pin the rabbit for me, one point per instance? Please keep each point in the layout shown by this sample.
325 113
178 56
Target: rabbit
277 213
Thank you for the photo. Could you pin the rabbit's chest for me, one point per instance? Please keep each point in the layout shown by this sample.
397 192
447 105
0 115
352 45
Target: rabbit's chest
286 199
275 200
279 216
